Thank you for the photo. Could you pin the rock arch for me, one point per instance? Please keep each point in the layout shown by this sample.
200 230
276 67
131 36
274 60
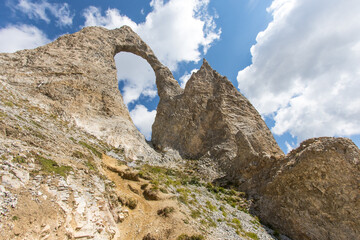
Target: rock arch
131 42
76 76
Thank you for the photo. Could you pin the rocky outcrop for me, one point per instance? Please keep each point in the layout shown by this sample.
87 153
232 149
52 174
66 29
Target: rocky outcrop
211 119
314 194
75 78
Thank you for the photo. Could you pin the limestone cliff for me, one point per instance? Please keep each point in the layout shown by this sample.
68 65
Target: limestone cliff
75 78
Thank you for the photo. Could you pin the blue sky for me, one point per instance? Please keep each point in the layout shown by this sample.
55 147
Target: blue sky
296 60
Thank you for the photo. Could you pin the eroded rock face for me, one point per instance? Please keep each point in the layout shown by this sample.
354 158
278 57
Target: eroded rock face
314 194
212 119
75 77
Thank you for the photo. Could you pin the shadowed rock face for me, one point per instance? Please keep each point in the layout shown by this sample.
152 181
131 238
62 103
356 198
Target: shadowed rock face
314 194
75 77
212 119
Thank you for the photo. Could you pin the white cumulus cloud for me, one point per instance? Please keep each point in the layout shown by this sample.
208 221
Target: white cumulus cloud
112 19
40 9
137 75
184 78
18 37
176 31
304 69
143 119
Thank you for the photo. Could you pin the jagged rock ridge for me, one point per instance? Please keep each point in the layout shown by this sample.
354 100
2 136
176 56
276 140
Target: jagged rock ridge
211 119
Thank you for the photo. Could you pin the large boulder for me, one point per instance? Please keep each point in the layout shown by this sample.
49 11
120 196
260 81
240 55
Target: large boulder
315 192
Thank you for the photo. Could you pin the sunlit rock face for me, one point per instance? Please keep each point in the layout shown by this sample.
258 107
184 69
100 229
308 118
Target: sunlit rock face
211 119
75 77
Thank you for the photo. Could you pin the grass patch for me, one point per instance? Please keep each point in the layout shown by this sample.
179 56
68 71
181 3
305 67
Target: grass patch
236 221
19 159
78 154
210 206
132 203
183 195
35 133
222 209
193 237
256 221
51 166
252 235
36 124
2 114
91 148
236 224
91 165
9 104
18 117
208 222
195 214
243 209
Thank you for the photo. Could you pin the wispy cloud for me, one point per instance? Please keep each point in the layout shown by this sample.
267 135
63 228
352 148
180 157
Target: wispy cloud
143 119
40 9
184 78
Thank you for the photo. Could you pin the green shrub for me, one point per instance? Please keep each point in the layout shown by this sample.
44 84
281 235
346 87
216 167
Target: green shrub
131 203
165 212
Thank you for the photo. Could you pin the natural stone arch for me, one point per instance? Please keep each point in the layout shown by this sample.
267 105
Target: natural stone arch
166 84
76 76
136 83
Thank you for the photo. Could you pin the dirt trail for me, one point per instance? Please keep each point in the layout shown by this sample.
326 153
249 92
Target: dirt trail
144 218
